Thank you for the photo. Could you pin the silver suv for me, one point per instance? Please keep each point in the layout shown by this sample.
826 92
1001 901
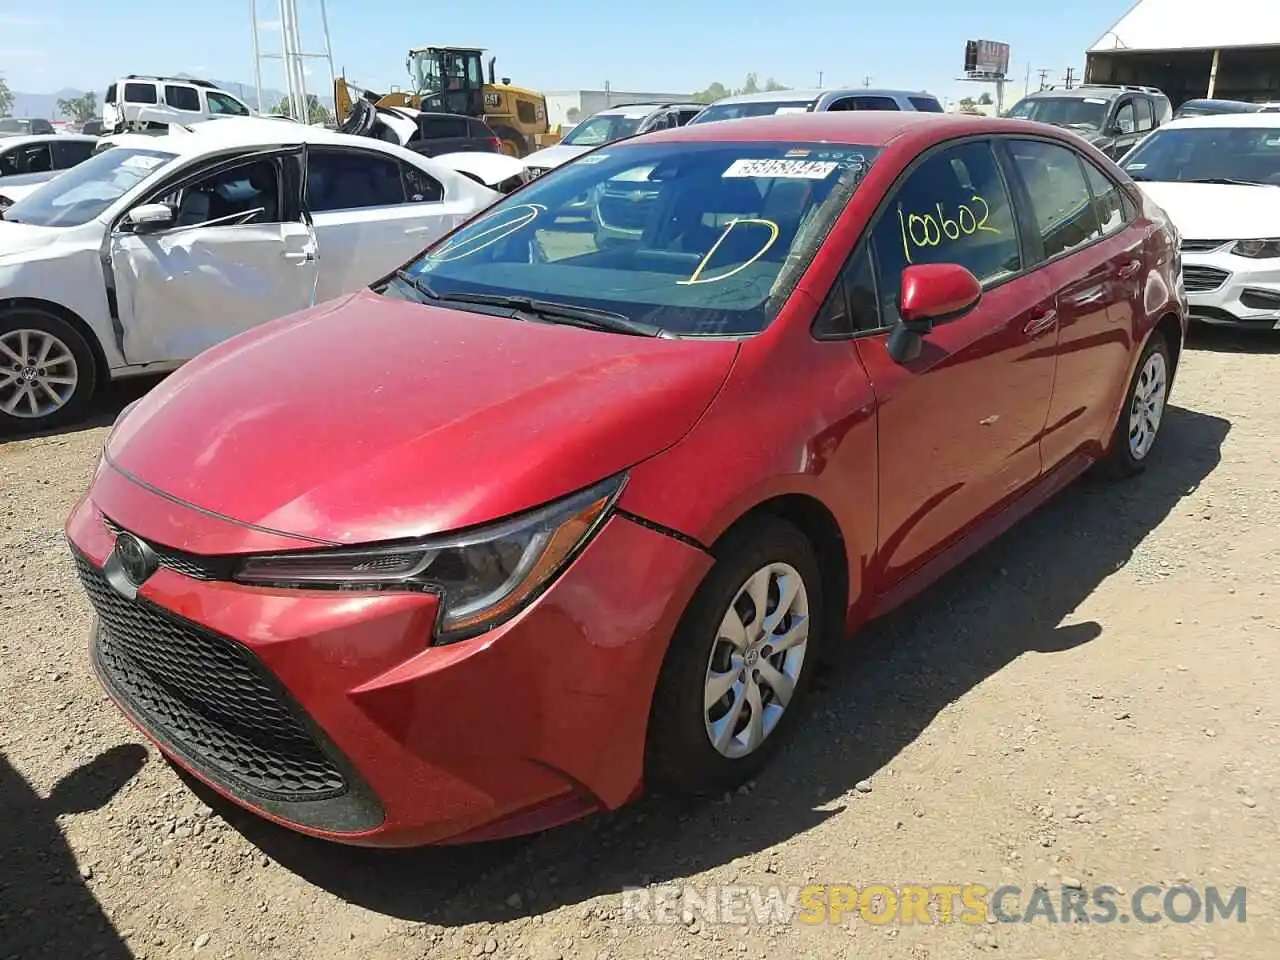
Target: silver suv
816 101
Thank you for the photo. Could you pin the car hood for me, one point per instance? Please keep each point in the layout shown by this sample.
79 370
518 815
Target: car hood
370 418
1216 211
20 238
551 157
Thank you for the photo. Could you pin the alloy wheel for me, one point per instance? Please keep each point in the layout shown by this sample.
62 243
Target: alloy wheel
756 660
1147 406
38 373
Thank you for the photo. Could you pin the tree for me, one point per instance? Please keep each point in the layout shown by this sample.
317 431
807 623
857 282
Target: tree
319 113
967 105
79 109
717 91
985 100
6 98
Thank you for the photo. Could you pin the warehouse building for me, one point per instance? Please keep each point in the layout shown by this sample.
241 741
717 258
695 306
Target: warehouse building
1229 49
570 106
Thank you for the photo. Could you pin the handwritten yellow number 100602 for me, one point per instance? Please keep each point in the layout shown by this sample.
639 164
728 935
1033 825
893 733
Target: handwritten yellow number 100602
922 231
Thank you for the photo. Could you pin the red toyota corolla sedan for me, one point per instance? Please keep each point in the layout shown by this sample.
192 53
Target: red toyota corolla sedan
574 501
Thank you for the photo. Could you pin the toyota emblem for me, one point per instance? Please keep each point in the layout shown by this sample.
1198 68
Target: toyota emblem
137 561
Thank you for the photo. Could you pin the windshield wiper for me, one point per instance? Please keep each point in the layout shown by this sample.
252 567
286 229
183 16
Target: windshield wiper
1230 182
550 310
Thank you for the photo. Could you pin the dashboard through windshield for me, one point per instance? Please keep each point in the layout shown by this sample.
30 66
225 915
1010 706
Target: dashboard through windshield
1233 153
692 239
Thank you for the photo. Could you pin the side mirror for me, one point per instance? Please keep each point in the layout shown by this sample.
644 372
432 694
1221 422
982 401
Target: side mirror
930 294
1112 130
149 216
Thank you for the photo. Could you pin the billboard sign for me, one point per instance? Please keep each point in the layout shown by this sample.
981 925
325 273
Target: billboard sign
986 57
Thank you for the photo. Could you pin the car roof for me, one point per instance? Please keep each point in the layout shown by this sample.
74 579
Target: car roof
1257 121
792 96
635 109
22 138
872 128
229 133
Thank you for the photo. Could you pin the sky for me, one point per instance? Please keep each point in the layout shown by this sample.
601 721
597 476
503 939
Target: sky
658 46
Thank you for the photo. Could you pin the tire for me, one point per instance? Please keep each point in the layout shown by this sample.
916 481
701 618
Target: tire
32 331
680 754
1124 457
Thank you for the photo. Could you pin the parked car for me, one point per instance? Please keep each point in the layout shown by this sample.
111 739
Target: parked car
423 132
24 126
184 99
816 101
607 126
158 247
1204 108
1218 178
28 161
1112 118
528 524
92 128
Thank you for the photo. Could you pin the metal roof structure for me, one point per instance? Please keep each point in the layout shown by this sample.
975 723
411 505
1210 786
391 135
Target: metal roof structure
1152 25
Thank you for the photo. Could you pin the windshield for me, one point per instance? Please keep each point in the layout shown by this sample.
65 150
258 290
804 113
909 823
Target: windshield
757 108
697 239
602 129
13 125
1063 111
87 189
1249 154
424 69
1205 108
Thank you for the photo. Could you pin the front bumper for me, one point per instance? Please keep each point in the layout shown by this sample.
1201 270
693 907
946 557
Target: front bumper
1228 290
331 713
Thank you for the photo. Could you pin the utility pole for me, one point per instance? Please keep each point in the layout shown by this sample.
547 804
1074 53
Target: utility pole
1044 78
1070 77
1026 83
866 80
819 79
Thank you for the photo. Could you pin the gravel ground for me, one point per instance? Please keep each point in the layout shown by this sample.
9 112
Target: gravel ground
1092 700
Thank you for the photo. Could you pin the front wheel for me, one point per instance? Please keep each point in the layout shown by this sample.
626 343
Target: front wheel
47 371
740 662
1142 413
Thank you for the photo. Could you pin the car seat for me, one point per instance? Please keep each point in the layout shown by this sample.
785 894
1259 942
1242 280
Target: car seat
262 177
196 207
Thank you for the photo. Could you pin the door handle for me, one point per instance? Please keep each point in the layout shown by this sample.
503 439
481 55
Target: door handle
1129 269
1038 324
302 256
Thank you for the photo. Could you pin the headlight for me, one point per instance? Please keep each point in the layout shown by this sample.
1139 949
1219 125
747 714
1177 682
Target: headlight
483 576
1257 249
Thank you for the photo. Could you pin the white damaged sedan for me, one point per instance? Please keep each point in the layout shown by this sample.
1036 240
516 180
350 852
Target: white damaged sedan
159 247
1218 178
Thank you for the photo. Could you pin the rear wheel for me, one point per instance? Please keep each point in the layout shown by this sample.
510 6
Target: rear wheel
1143 412
740 662
47 371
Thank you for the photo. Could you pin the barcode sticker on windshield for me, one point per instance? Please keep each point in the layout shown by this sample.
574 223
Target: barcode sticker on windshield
786 169
1093 100
784 110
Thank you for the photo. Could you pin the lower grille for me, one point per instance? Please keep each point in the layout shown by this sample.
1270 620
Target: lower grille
1260 299
1199 279
208 697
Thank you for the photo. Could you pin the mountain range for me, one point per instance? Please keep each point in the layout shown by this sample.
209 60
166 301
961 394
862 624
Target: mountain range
46 104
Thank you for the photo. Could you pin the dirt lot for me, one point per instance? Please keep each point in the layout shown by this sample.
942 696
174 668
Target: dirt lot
1092 700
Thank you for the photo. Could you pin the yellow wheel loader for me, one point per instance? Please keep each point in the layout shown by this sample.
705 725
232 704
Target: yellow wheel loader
452 80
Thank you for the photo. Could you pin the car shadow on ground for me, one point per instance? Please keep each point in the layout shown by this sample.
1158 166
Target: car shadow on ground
46 908
107 404
1232 339
1007 601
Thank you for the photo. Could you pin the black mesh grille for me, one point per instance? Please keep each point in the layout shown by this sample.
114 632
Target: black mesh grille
1202 246
207 696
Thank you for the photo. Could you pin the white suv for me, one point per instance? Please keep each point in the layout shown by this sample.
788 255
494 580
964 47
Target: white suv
184 99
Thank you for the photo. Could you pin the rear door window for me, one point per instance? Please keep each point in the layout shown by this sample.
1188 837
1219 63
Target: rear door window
1142 111
182 97
1060 198
437 128
69 153
926 104
140 93
352 180
875 103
